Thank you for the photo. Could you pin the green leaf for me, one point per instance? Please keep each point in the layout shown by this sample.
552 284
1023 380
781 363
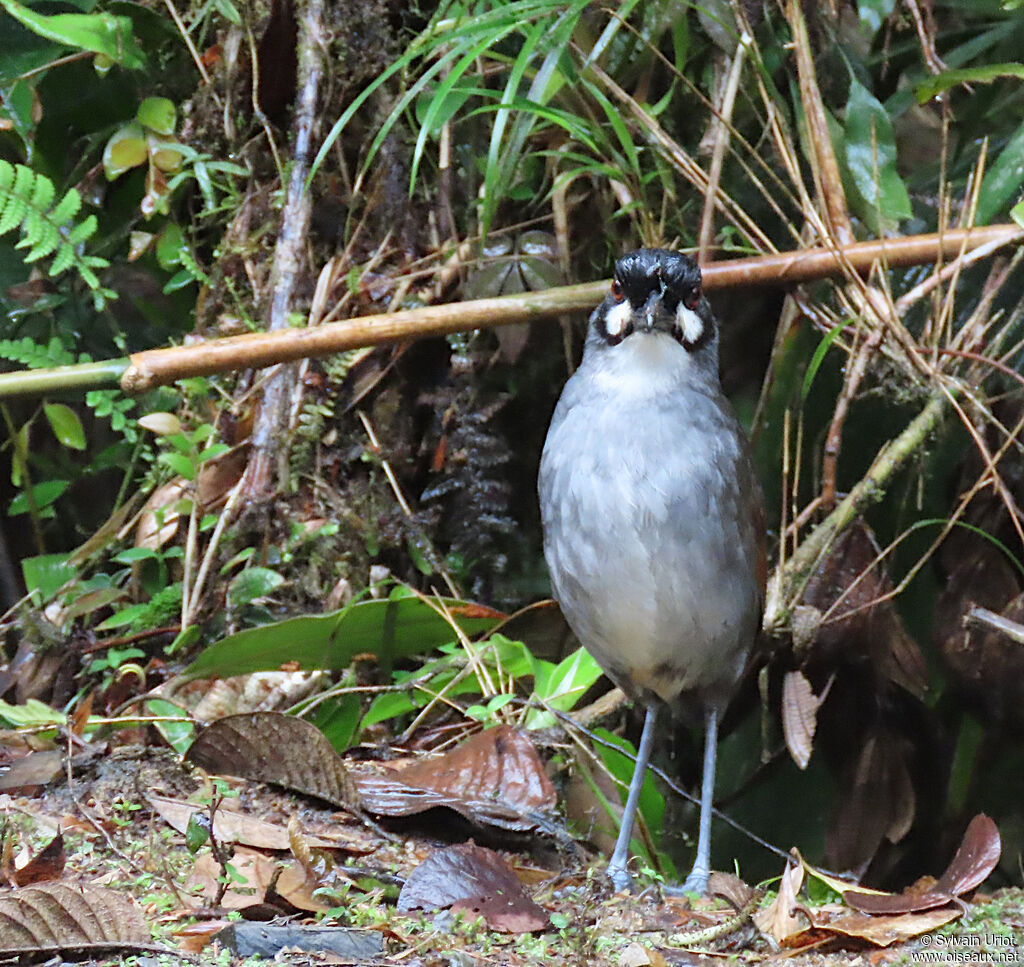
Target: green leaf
1003 180
66 425
43 494
253 583
1017 213
870 153
133 554
183 466
102 33
819 357
125 149
562 686
158 114
32 714
620 765
46 574
197 832
402 627
938 83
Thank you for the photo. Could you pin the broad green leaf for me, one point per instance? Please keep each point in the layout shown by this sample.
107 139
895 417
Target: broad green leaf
1017 213
406 626
126 148
102 33
870 153
46 574
43 494
1003 180
178 735
938 83
158 114
652 803
561 686
32 713
253 583
66 425
183 466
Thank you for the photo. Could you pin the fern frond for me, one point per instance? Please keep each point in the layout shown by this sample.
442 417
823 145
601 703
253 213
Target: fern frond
27 204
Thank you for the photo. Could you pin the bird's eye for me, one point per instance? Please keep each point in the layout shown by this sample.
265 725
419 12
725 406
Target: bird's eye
617 294
692 298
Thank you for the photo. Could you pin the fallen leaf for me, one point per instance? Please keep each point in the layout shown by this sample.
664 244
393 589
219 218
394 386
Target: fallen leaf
276 748
257 871
51 917
975 858
495 777
231 826
778 919
47 864
886 930
470 877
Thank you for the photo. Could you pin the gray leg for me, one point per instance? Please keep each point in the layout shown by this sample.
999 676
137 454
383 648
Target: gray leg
617 865
697 881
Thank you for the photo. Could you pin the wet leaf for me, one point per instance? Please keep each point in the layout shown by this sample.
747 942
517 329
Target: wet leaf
275 748
158 114
495 777
976 857
469 877
126 149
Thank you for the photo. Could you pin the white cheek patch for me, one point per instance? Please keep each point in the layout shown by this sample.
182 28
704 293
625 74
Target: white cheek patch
616 319
690 324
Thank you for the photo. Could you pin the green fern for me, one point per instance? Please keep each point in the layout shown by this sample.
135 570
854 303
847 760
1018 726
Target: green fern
26 204
35 355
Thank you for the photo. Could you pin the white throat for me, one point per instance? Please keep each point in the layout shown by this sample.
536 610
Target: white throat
644 364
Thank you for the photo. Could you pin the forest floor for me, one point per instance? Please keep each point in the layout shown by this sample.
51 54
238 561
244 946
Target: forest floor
119 820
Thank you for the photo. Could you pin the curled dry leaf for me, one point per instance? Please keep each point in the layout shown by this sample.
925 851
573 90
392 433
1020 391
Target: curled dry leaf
472 878
257 871
494 777
47 864
275 748
231 826
779 919
159 518
63 916
800 716
976 857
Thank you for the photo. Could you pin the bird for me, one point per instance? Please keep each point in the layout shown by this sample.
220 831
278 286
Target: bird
652 515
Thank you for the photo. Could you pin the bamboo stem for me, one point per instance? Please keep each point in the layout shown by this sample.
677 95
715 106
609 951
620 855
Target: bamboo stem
160 367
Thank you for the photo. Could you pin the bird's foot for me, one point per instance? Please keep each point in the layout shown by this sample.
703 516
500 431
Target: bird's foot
621 880
696 882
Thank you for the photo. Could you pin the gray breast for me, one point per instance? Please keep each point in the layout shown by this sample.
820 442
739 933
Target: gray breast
651 549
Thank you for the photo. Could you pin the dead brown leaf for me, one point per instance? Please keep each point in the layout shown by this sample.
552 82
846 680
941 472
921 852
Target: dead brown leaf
494 777
976 857
275 748
231 826
472 878
778 919
61 916
886 930
258 872
800 716
47 864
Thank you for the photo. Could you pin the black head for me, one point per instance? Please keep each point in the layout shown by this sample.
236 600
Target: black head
655 290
